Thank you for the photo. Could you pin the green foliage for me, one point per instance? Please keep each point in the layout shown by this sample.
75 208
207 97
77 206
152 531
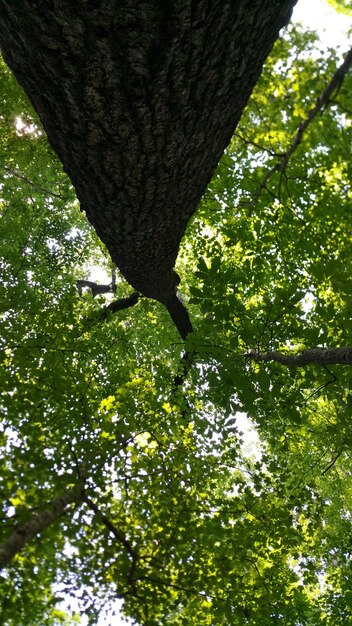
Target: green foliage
342 6
180 518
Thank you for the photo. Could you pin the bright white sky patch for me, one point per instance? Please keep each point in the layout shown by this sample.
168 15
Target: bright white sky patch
331 26
23 128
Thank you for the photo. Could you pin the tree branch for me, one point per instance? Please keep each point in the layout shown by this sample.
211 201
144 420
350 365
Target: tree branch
94 287
250 142
103 313
25 532
118 534
319 356
334 83
123 303
31 183
179 315
332 463
185 365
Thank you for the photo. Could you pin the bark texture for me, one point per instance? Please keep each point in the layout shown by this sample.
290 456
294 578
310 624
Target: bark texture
25 532
319 356
139 99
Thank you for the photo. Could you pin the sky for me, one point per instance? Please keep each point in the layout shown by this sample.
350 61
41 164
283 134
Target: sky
332 27
320 16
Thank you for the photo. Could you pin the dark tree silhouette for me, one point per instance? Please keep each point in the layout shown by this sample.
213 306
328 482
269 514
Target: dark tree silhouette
139 100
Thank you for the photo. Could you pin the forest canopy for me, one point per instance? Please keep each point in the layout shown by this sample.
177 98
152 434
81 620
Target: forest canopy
126 470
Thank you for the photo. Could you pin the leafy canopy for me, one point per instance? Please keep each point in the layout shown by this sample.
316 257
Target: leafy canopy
179 517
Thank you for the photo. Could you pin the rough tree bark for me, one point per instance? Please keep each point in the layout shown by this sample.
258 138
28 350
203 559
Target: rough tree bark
139 100
319 356
25 532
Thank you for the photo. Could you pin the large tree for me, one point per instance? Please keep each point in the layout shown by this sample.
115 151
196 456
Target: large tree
139 100
124 471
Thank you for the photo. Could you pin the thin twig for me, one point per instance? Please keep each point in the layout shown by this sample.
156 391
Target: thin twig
332 463
30 182
250 142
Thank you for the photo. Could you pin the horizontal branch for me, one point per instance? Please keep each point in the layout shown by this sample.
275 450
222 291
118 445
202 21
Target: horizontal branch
319 356
103 313
25 532
123 303
95 288
321 102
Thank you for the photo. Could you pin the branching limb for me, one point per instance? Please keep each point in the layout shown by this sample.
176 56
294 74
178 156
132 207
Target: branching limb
319 356
250 142
95 288
25 532
321 102
103 313
177 310
117 305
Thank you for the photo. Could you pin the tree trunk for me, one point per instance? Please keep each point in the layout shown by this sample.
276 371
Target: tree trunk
25 532
139 100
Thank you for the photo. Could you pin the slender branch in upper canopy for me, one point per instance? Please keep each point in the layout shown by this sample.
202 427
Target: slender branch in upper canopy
321 102
26 180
